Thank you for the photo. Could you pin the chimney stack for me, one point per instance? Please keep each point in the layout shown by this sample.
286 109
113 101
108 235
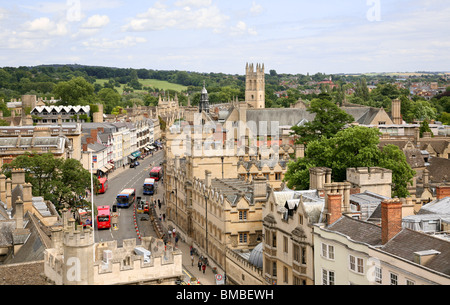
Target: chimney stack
333 204
442 191
396 112
391 219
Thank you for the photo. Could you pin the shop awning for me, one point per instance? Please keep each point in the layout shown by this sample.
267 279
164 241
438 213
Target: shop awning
136 154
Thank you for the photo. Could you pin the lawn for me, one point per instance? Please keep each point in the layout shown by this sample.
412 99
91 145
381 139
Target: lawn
154 83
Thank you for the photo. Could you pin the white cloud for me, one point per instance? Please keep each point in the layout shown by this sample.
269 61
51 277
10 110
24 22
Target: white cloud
40 24
194 3
44 27
242 29
128 41
96 22
191 14
256 9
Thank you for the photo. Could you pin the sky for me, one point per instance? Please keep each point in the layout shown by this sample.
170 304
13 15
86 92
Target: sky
288 36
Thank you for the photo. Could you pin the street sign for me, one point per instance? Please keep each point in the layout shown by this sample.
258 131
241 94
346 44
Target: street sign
219 279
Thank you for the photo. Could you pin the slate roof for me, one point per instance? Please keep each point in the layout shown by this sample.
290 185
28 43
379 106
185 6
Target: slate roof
233 189
293 116
31 274
407 242
404 245
441 207
370 204
271 163
439 169
357 230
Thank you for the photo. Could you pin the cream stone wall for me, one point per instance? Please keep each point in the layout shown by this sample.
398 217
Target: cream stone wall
282 234
374 179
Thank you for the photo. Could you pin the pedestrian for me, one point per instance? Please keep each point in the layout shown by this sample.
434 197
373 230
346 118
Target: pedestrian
199 264
176 241
192 259
170 234
173 233
164 216
204 268
159 204
160 217
191 250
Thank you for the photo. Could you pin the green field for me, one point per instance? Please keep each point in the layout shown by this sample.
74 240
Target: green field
154 83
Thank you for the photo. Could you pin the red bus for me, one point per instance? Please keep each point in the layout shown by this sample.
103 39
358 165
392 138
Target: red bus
102 185
156 173
103 217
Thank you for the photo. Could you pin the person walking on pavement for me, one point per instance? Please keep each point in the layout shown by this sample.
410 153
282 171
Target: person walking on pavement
199 264
204 268
192 260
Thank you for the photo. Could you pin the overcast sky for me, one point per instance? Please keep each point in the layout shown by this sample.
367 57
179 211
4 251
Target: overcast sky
289 36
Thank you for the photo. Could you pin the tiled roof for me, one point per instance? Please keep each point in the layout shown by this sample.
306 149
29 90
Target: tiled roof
358 231
406 243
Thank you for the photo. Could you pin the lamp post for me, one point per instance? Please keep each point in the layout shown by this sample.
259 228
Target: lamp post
206 224
92 201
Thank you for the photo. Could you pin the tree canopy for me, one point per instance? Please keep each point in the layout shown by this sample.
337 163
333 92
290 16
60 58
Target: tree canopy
328 121
356 146
61 181
76 91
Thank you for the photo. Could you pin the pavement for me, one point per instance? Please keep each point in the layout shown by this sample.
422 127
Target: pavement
147 228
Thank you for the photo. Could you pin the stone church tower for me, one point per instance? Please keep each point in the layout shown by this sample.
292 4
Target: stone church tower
255 86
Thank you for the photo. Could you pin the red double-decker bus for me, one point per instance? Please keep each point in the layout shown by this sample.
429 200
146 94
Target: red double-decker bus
103 217
102 185
156 173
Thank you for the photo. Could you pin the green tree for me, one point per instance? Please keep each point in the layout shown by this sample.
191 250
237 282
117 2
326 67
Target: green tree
55 179
118 110
445 118
110 98
424 127
76 91
423 110
394 159
352 147
328 121
73 180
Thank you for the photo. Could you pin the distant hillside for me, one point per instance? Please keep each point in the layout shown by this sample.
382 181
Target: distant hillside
152 83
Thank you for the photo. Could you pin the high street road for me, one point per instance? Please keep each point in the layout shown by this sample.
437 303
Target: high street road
128 178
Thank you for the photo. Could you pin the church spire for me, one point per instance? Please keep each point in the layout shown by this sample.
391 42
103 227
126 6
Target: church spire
204 100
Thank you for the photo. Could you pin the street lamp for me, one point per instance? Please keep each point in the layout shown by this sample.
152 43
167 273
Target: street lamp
206 224
92 202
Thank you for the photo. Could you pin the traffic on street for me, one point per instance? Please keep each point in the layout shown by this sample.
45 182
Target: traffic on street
128 178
